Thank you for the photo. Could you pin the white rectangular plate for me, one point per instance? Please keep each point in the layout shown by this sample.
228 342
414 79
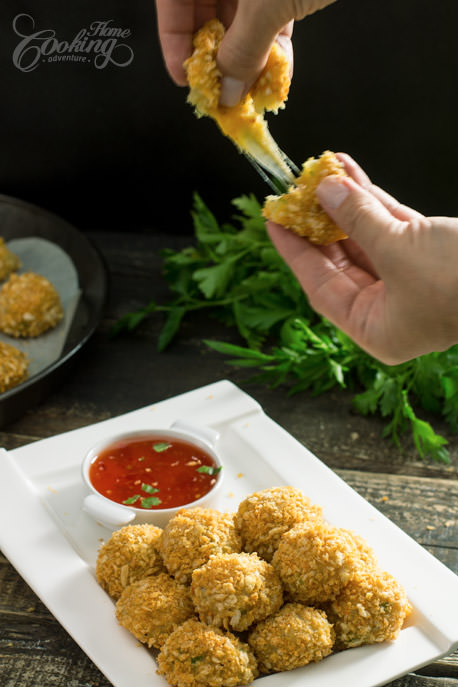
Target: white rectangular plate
53 544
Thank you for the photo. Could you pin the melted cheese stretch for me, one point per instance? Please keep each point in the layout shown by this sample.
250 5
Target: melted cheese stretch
244 124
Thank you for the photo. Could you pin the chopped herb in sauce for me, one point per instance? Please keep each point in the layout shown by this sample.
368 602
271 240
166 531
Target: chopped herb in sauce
209 469
149 489
162 446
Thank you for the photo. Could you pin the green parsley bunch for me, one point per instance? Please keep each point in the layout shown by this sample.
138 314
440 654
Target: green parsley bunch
234 271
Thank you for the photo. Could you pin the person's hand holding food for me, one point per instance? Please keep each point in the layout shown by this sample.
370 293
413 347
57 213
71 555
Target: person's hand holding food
392 285
252 27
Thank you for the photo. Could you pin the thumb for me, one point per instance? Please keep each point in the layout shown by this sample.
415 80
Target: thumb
245 47
356 211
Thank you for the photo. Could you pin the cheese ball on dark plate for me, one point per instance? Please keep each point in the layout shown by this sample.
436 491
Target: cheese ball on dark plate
13 366
29 305
9 262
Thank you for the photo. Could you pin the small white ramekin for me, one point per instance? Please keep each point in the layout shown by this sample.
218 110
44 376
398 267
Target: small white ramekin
114 515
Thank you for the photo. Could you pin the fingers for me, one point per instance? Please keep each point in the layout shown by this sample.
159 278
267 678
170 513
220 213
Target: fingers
245 47
402 212
358 213
332 282
175 20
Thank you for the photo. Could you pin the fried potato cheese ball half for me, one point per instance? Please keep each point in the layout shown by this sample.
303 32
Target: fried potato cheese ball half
263 517
235 590
244 124
192 536
316 561
153 607
129 555
29 305
299 208
291 638
197 655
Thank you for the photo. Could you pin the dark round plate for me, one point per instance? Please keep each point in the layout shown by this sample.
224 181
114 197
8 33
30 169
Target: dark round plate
19 219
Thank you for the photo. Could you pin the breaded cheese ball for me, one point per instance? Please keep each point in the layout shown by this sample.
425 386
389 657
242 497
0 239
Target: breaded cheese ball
153 607
192 536
29 305
299 208
197 655
129 555
9 262
244 123
291 638
235 590
13 366
371 608
263 517
316 560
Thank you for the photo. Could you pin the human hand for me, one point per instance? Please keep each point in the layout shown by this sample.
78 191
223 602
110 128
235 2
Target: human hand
392 286
252 26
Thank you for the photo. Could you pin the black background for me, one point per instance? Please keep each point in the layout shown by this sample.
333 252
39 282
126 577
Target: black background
119 148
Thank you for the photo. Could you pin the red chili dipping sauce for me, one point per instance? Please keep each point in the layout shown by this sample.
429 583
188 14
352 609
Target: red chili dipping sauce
153 473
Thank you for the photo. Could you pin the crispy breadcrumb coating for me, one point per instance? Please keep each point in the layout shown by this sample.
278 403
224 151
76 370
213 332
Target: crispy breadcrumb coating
197 655
244 124
9 262
154 607
316 560
299 209
235 590
29 305
13 366
291 638
264 516
192 536
129 555
371 608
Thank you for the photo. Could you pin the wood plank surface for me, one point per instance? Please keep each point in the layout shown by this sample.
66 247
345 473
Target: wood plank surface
114 376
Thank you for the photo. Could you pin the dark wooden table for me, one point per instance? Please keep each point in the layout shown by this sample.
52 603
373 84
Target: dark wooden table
113 376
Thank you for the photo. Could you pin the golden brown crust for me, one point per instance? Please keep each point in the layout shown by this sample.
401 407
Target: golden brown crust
291 638
264 516
316 560
197 655
152 608
192 536
13 366
371 608
29 305
129 555
299 209
9 262
236 590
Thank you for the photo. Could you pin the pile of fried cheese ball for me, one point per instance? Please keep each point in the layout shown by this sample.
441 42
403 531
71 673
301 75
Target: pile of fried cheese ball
226 597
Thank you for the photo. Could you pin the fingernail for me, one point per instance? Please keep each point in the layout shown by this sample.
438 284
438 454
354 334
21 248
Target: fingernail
331 192
231 91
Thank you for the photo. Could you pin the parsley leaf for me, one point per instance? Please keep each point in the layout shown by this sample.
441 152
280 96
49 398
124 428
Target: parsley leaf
161 446
209 469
